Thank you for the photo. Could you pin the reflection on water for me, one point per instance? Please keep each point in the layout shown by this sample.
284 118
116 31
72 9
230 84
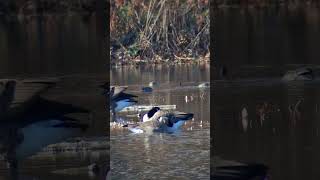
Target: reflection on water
257 117
52 44
274 125
182 155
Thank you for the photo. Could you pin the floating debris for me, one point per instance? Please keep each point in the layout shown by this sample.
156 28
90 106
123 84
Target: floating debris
244 119
148 107
82 145
188 98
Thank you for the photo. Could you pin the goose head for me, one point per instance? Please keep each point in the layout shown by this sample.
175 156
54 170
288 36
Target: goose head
150 114
299 74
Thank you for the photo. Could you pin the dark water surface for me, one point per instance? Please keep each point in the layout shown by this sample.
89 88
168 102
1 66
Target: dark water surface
183 155
257 117
52 44
266 37
70 47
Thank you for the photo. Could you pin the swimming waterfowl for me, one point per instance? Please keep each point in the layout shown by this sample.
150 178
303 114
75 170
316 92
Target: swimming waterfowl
223 72
302 74
30 122
161 121
147 89
27 133
19 140
121 100
241 172
233 170
22 98
18 96
117 98
147 116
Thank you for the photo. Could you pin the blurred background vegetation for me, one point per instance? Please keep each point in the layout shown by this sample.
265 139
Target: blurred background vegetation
45 6
264 3
159 30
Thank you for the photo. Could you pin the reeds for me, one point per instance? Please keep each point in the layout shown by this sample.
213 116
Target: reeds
159 29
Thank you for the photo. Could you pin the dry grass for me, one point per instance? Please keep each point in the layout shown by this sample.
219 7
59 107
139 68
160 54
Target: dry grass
159 29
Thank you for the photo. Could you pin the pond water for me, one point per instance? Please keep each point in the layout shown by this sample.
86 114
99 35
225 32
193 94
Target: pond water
271 37
258 118
70 47
181 155
275 125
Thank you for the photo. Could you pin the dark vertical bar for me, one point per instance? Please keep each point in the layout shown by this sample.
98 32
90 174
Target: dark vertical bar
102 28
213 7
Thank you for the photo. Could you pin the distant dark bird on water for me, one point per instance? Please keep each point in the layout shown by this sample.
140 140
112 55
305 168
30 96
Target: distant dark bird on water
302 74
223 72
150 87
241 172
147 89
232 170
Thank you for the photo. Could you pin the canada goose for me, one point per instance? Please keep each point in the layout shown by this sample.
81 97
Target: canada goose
122 100
240 172
233 170
23 98
147 116
302 74
118 99
161 121
19 95
30 122
20 140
